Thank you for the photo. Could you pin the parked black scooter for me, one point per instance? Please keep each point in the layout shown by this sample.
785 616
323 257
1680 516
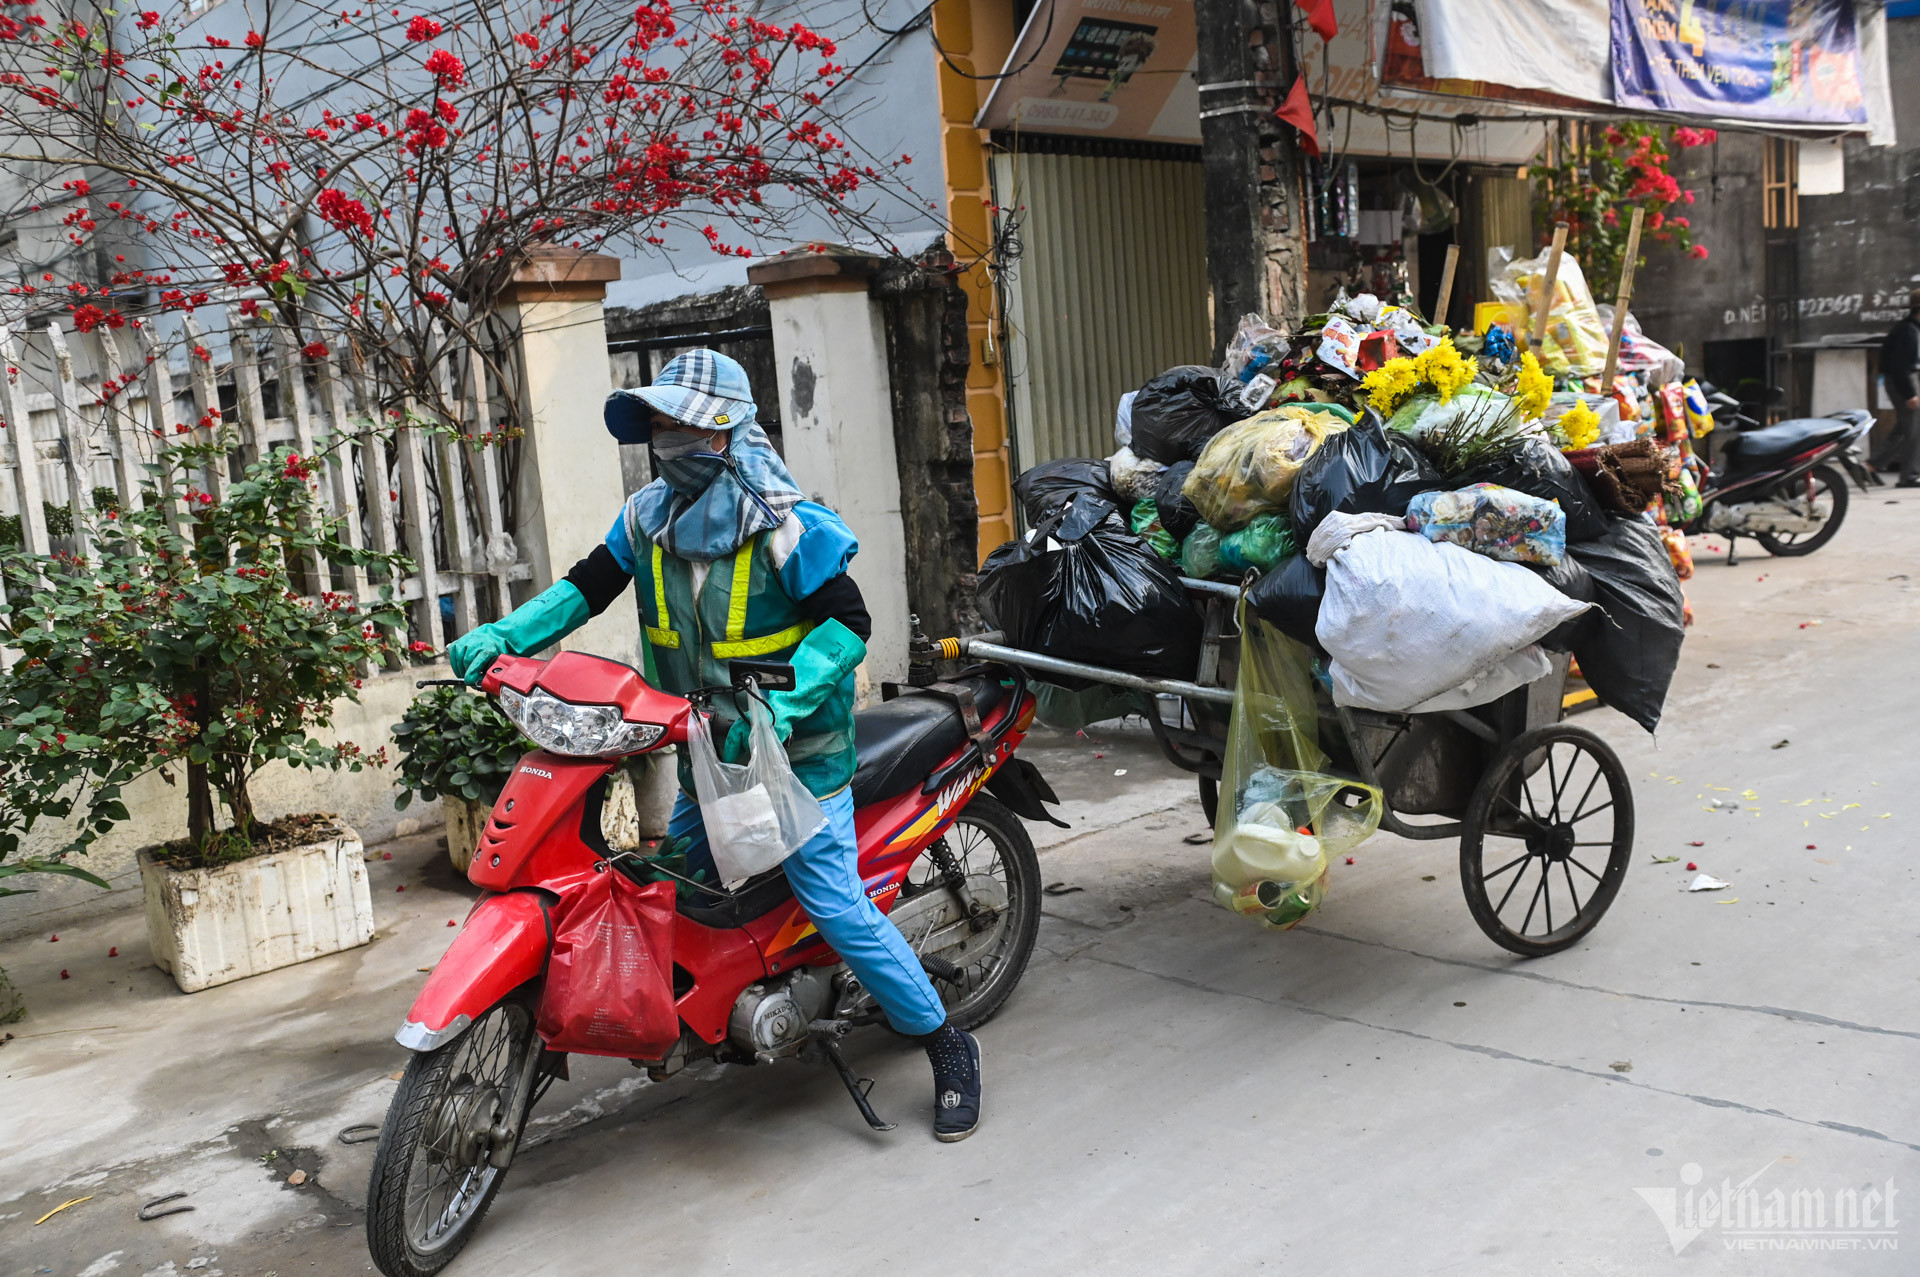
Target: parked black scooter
1778 484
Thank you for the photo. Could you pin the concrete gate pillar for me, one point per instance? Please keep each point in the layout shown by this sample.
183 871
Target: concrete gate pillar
836 411
569 487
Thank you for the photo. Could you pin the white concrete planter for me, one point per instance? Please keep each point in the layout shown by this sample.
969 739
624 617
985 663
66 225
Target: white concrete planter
465 820
213 926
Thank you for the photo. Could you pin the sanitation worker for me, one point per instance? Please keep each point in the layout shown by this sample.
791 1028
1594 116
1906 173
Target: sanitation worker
731 563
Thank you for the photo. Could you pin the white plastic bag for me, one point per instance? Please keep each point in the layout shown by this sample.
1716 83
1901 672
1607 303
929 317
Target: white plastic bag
757 813
1406 619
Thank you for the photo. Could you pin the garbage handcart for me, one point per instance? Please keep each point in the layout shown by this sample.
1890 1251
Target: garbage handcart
1543 808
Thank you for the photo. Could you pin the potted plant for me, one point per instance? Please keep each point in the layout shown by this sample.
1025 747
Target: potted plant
454 745
192 640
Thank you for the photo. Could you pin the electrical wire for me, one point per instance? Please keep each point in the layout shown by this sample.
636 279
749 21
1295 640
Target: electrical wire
1053 9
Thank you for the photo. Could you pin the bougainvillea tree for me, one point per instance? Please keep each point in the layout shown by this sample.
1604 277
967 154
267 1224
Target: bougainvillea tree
378 173
1595 189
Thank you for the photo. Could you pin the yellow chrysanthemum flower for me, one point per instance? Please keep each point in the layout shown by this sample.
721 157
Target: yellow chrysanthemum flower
1534 390
1388 385
1580 425
1442 368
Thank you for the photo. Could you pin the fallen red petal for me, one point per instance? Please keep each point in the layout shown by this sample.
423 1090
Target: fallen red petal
1349 859
113 952
452 923
51 939
1691 865
386 855
63 974
1696 844
1812 847
401 887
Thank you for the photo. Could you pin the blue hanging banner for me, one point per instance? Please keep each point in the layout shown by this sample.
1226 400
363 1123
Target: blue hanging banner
1768 61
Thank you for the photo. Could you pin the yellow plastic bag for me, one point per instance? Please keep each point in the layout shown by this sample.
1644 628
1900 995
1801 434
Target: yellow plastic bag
1576 339
1280 818
1248 469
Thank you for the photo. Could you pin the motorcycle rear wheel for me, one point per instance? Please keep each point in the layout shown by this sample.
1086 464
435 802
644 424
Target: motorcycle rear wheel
1827 483
432 1176
986 838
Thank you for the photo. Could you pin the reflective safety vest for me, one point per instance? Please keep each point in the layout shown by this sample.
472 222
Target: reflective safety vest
741 612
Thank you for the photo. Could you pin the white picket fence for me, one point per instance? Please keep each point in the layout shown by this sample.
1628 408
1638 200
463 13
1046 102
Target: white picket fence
442 502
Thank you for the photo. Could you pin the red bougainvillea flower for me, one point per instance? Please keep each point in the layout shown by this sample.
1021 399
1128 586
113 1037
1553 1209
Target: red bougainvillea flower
337 209
1698 250
314 350
422 29
449 70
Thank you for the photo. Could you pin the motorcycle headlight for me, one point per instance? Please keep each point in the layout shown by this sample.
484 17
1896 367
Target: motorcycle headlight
579 730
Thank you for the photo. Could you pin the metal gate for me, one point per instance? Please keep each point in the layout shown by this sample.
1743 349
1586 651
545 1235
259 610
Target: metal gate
1110 288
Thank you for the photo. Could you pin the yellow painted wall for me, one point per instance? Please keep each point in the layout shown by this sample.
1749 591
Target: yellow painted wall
976 34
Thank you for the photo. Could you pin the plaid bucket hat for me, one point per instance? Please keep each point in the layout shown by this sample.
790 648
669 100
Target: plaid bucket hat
702 388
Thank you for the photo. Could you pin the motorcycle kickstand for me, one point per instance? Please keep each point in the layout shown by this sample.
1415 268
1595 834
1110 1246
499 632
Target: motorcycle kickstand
1733 545
826 1035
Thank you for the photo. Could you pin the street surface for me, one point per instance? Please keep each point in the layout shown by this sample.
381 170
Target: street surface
1171 1090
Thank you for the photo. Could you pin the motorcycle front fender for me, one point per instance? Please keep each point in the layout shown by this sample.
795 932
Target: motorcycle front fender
504 944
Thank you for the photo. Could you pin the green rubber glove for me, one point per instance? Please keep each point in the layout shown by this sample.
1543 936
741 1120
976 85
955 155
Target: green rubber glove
546 618
820 664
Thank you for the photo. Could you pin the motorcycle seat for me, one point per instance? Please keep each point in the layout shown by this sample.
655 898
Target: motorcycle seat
1752 449
899 742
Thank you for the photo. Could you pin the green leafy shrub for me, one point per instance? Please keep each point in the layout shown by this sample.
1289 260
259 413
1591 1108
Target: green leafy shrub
185 638
455 742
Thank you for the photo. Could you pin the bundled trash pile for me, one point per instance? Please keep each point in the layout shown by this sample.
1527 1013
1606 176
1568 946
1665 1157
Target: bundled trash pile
1430 518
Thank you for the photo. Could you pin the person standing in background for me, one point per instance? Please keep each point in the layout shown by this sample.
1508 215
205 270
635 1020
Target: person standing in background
1900 370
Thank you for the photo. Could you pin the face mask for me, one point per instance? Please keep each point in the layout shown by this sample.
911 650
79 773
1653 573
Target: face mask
671 445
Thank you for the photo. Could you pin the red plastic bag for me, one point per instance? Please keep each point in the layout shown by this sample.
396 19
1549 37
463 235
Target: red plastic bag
609 987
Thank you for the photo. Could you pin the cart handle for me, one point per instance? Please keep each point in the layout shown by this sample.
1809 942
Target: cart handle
987 648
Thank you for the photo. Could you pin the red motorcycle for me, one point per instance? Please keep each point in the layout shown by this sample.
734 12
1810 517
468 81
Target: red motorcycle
753 982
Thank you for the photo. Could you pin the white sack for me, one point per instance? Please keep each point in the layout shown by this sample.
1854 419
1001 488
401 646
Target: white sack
1405 618
1527 665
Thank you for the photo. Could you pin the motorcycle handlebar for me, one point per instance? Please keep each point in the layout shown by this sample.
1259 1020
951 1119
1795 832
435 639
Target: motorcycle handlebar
441 682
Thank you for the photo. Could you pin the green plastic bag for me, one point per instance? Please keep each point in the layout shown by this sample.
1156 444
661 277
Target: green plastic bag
1200 556
1073 711
1145 522
1259 545
1281 818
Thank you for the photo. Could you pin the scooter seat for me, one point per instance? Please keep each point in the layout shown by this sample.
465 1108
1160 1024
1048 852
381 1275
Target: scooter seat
899 742
1753 449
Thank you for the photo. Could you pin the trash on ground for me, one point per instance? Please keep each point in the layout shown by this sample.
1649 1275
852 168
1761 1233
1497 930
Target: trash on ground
1707 882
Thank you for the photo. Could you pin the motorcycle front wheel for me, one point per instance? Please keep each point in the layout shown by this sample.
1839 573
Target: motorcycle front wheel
1823 490
435 1171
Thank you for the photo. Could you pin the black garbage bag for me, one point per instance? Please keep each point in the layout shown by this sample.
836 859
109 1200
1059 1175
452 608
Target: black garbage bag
1288 598
1364 469
1539 469
1177 514
1047 487
1628 653
1175 414
1574 581
1100 595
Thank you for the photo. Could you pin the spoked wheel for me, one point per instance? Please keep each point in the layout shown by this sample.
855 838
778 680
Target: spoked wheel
440 1159
1821 494
988 848
1546 839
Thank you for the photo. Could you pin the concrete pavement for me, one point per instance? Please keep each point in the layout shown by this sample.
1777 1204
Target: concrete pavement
1171 1089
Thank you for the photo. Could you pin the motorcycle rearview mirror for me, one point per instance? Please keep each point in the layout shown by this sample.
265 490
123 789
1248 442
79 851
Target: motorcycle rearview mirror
766 676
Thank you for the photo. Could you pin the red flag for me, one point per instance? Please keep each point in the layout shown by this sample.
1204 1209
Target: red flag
1297 110
1320 17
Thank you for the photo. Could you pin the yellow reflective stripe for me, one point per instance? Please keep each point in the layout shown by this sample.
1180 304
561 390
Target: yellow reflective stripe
728 650
737 600
661 635
660 589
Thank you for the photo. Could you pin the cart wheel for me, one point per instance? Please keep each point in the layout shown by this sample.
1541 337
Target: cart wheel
1209 799
1553 803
